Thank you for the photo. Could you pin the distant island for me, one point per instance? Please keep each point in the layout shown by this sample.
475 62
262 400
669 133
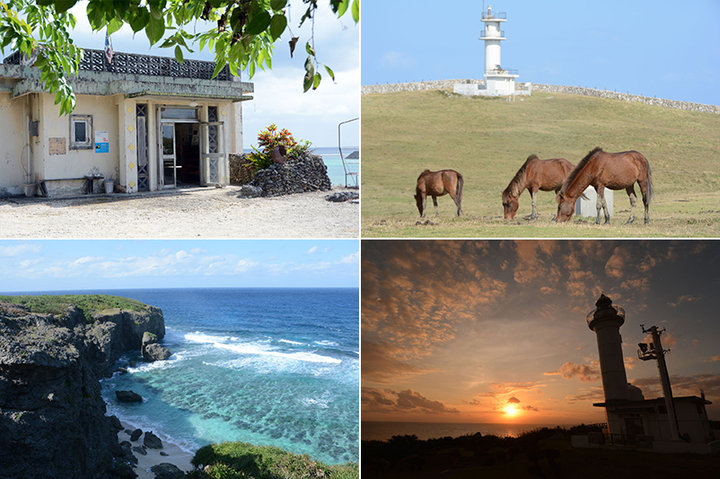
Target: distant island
53 352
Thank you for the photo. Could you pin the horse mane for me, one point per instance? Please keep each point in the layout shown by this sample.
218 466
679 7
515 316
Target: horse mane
574 173
421 174
517 184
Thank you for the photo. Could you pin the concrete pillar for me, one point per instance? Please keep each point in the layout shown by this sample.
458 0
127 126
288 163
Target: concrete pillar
127 146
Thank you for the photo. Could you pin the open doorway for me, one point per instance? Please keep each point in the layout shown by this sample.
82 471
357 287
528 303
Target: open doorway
187 144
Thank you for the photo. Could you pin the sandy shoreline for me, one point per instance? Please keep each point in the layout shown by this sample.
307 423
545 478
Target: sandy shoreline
184 213
175 455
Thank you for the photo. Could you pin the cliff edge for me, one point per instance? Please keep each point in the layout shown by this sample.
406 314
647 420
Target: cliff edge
52 416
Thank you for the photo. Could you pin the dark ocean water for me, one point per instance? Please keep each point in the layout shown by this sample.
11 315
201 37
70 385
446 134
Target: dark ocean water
273 367
382 431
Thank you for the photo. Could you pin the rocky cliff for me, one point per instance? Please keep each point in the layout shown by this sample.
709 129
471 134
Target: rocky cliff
52 417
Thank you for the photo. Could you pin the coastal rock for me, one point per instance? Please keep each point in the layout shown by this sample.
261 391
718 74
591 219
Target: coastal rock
151 441
151 350
128 396
156 352
135 435
126 453
166 470
115 423
140 450
250 191
340 196
50 367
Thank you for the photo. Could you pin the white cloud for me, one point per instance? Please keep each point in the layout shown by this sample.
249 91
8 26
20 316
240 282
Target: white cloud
18 250
396 60
351 258
312 250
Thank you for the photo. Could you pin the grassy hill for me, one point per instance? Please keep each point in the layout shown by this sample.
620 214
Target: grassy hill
488 139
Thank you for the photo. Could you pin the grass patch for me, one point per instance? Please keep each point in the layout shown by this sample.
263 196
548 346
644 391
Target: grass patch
240 460
487 141
89 303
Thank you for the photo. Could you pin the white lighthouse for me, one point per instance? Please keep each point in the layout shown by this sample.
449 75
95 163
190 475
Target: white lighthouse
632 420
499 81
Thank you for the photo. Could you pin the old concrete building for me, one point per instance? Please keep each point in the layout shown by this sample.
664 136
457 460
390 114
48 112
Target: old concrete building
143 122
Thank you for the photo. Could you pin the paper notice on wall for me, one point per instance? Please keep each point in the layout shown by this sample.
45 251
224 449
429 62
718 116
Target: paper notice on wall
102 142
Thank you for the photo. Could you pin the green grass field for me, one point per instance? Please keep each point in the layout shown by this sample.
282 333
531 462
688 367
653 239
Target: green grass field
488 139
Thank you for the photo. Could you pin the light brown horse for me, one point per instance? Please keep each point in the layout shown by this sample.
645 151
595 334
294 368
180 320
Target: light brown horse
602 170
438 183
534 175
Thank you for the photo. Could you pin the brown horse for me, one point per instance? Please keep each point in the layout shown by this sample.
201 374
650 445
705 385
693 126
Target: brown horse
438 183
602 170
535 174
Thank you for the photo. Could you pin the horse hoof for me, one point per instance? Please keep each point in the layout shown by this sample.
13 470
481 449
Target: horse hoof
647 220
629 221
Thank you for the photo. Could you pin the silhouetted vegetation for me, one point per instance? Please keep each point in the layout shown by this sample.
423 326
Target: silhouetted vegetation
541 453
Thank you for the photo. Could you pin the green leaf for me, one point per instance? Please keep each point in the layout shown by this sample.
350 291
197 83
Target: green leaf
330 72
45 2
218 68
96 15
178 54
342 8
277 4
307 81
233 68
155 29
316 81
155 12
64 5
139 20
356 10
309 49
277 25
114 25
258 23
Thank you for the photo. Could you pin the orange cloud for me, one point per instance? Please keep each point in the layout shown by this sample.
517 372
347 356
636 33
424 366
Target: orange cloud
570 370
407 401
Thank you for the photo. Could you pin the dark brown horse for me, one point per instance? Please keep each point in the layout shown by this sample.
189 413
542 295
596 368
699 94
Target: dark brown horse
438 183
534 175
602 170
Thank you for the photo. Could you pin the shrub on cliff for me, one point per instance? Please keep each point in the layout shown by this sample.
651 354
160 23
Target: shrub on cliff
57 304
239 460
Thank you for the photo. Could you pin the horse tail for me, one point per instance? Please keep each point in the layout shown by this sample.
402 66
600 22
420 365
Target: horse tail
460 182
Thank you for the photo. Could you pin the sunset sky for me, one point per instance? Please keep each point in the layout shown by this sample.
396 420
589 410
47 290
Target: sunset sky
495 331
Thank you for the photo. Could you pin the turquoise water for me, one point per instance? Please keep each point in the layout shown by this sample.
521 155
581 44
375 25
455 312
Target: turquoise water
273 367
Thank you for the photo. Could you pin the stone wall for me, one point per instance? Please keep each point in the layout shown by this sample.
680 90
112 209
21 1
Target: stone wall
570 90
307 173
240 169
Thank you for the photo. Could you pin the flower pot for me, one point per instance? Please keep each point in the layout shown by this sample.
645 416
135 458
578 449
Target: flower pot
29 189
109 186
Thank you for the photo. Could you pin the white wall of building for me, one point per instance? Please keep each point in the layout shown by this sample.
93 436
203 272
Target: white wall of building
11 147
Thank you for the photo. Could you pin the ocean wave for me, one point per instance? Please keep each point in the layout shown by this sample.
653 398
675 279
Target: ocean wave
325 342
255 348
289 342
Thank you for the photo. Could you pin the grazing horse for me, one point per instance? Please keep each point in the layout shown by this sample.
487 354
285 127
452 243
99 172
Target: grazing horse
602 170
535 174
438 183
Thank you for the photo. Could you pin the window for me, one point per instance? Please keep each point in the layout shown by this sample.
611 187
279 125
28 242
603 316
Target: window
81 132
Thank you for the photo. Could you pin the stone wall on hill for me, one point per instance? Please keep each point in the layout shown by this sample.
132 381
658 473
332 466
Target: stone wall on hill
570 90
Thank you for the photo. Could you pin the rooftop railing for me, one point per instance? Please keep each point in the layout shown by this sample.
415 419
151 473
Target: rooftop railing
501 15
136 64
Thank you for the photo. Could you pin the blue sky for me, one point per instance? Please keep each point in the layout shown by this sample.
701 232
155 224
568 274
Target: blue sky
646 47
97 265
278 96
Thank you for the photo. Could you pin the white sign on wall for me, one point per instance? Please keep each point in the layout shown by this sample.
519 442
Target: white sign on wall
102 142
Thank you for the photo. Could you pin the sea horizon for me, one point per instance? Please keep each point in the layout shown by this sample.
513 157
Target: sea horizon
384 430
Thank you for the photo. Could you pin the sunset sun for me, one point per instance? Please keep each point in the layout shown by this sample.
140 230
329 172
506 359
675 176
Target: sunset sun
511 410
